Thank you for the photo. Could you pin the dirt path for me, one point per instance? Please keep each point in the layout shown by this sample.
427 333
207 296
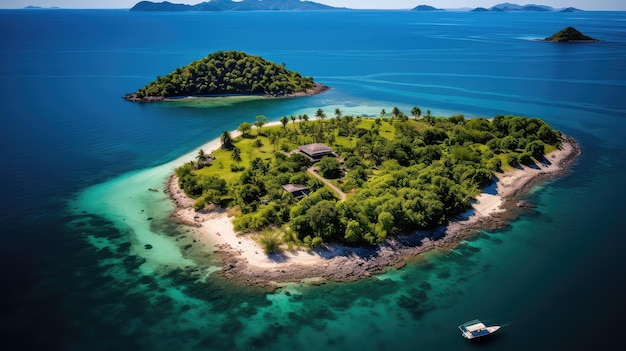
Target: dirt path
313 171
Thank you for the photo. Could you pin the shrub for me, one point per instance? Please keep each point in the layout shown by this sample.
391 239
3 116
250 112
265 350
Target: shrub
270 242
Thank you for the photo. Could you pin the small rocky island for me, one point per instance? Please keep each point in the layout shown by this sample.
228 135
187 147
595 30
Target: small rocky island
569 34
228 73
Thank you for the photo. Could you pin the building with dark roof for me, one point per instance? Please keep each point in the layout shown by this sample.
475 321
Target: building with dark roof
297 190
315 152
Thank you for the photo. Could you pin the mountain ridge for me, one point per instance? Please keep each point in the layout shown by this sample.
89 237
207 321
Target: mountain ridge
229 5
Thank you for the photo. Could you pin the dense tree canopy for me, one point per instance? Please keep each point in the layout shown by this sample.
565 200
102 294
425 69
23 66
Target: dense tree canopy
400 174
228 72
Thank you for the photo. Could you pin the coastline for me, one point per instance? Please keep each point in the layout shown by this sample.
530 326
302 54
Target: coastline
243 259
316 89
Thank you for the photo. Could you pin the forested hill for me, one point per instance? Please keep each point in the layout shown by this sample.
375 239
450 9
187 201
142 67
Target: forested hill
228 73
569 34
229 5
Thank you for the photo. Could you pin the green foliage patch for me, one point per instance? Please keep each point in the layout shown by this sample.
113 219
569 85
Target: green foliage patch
228 72
416 174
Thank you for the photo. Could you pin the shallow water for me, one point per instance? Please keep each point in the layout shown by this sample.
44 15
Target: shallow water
78 162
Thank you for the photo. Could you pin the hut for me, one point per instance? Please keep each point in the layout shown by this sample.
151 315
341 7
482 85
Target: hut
315 152
297 190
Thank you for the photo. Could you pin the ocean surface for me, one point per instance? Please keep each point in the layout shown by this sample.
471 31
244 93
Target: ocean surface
77 162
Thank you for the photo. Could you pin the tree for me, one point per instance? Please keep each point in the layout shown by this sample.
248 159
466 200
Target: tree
227 141
395 113
323 219
305 117
429 119
383 113
329 167
258 143
320 115
274 140
284 120
245 128
337 113
236 154
259 123
293 119
202 157
416 112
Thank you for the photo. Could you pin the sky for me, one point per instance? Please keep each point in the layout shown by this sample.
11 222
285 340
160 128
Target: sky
616 5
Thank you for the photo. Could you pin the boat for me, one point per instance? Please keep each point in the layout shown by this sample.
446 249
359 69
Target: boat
475 329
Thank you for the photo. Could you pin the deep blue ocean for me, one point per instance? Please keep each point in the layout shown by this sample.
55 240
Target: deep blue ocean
74 276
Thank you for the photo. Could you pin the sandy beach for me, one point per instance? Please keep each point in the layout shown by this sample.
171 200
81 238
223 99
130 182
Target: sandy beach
244 260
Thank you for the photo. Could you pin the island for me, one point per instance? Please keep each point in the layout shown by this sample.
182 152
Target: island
568 35
426 8
228 73
345 197
229 5
509 7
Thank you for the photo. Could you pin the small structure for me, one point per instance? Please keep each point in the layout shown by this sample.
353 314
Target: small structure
207 161
475 329
315 152
297 190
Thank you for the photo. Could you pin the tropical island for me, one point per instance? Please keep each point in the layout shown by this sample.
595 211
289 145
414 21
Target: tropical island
348 196
228 73
569 34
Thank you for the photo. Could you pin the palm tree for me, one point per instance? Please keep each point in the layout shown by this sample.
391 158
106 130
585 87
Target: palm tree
258 143
429 119
293 119
337 113
260 122
383 113
416 112
284 120
202 157
274 140
395 113
305 117
319 114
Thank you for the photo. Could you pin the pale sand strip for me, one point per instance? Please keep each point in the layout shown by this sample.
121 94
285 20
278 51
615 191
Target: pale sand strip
244 258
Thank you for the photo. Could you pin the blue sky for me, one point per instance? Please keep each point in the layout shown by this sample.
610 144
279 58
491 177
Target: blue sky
356 4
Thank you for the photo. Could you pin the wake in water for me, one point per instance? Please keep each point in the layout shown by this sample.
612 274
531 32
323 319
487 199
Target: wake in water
517 317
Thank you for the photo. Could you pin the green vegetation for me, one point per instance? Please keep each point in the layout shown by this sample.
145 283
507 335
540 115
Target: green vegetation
227 72
400 174
569 34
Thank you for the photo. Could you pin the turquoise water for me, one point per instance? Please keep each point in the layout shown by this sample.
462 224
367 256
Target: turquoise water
78 160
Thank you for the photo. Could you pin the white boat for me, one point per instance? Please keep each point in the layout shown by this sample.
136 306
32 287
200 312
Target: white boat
475 329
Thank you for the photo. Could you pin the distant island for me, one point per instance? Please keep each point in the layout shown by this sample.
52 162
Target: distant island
229 5
509 7
228 73
298 5
569 34
426 8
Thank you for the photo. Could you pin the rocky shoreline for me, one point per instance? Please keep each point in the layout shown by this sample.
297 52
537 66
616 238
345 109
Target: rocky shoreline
317 89
341 263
